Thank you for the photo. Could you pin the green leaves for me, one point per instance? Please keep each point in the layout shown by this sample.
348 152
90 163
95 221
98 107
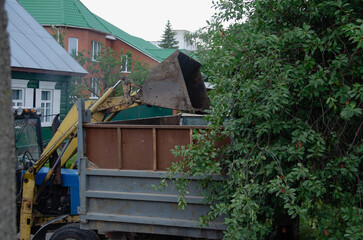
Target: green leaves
355 32
350 110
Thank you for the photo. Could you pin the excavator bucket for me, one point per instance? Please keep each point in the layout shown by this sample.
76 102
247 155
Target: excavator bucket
176 83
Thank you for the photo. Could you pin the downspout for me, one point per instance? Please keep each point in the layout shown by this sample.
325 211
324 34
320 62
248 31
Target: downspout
53 27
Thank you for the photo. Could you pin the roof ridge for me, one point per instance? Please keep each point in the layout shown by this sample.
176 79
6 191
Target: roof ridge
80 13
103 20
98 19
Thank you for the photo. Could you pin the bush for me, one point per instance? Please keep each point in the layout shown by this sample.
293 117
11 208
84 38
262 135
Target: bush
288 93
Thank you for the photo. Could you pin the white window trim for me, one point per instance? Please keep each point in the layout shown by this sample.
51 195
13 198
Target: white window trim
47 85
28 93
45 103
17 83
22 100
55 99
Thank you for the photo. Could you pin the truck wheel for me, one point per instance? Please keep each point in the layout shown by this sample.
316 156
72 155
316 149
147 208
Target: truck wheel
72 232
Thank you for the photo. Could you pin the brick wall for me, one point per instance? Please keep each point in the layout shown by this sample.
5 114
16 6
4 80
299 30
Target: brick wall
85 36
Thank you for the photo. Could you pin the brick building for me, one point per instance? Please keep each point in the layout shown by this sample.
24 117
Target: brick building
79 29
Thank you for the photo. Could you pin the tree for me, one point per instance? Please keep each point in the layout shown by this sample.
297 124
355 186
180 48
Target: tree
168 38
198 38
139 72
104 71
7 142
288 95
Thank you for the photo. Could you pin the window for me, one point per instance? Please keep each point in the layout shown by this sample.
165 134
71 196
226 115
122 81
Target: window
94 88
48 99
21 94
126 63
96 48
18 97
46 105
73 46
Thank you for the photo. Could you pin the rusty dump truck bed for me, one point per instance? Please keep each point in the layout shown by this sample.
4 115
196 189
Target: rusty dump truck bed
120 162
131 147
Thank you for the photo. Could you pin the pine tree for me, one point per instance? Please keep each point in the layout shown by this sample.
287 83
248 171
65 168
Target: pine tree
168 39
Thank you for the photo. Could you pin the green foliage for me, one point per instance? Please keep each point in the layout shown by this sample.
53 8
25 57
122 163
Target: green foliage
168 38
288 94
106 69
139 72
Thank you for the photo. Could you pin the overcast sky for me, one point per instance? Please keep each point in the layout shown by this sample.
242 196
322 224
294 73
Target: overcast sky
147 18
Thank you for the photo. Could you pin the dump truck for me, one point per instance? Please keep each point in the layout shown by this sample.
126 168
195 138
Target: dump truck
120 163
111 191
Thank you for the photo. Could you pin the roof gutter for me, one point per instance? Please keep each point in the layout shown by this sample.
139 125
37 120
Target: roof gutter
44 71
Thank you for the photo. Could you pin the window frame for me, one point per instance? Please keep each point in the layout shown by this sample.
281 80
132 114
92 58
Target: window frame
55 101
28 93
15 102
46 116
69 46
94 88
125 65
95 49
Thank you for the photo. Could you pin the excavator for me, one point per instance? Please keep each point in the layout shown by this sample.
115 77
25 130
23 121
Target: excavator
44 186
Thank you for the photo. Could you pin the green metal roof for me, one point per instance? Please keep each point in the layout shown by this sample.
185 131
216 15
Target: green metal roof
73 13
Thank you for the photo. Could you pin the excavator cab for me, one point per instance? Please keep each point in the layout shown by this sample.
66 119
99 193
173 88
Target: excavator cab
28 140
28 143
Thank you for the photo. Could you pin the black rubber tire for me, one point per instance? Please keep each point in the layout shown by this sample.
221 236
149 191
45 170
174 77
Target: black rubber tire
73 232
94 234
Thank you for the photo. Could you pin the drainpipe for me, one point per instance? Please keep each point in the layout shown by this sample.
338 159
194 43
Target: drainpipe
53 27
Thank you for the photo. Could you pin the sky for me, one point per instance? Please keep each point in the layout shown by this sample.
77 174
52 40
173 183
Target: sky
147 18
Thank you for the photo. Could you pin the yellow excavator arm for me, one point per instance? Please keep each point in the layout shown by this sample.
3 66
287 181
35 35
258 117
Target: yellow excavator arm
67 130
